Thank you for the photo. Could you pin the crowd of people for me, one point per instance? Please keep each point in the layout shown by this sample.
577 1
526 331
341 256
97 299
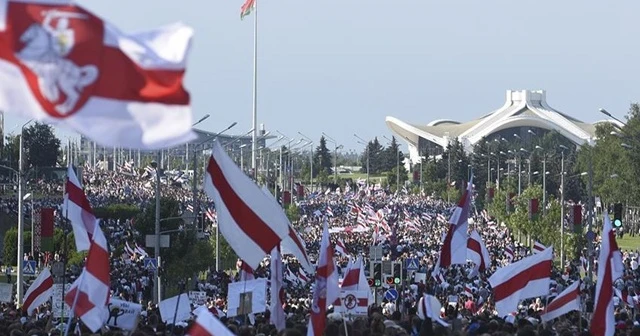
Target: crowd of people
406 226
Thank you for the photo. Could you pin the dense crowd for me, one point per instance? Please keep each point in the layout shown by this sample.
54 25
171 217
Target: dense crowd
406 226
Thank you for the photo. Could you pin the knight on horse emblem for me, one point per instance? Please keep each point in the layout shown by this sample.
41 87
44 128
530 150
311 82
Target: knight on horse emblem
47 45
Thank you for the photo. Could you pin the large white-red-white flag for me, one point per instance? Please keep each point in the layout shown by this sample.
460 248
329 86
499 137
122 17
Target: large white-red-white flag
568 300
77 209
527 278
292 244
39 292
454 246
477 252
90 293
326 289
610 269
62 64
250 222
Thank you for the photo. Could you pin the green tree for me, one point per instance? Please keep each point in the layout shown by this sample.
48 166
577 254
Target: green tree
374 151
293 213
41 146
179 260
392 179
322 158
390 156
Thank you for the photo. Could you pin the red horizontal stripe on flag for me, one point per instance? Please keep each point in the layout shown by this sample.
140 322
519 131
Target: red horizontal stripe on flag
98 263
83 304
361 302
246 219
77 196
198 330
520 280
298 243
561 301
122 79
474 245
44 286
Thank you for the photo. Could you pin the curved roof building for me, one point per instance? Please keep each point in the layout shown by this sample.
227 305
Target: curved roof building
525 113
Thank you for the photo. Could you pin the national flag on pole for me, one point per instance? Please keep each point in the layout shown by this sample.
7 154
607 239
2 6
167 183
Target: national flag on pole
567 301
246 272
250 221
610 269
527 278
89 294
208 325
63 65
77 209
246 8
326 289
39 292
454 247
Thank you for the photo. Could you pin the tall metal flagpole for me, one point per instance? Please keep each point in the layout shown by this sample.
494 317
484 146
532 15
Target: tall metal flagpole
254 134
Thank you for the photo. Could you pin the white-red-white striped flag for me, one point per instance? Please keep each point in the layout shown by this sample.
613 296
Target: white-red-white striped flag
326 289
62 64
250 222
208 325
77 209
454 246
292 243
610 269
568 300
39 292
90 293
538 247
527 278
341 248
477 252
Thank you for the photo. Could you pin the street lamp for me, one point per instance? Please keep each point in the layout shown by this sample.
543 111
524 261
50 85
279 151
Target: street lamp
20 214
242 157
563 147
335 156
186 152
310 159
156 251
366 144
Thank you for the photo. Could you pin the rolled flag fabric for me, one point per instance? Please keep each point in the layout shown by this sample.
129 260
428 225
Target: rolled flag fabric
610 269
39 292
77 209
250 222
527 278
64 65
567 301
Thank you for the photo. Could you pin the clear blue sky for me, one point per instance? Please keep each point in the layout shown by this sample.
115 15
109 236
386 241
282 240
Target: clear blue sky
341 66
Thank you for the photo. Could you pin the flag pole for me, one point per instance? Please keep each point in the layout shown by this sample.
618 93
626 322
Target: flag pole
75 302
254 133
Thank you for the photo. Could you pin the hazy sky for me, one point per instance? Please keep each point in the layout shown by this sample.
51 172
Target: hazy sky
341 66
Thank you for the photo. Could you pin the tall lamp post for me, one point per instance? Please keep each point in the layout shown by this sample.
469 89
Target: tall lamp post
310 159
366 144
19 292
563 147
156 250
335 156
